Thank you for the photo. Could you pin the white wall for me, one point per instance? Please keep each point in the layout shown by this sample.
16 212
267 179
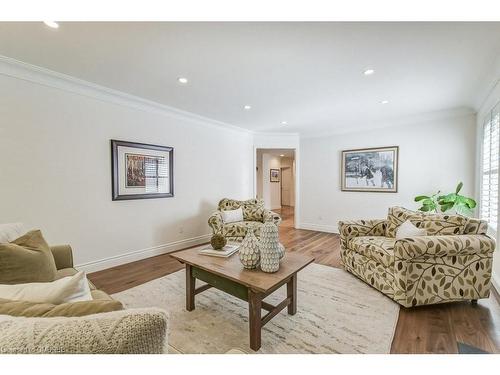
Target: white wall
492 99
433 155
55 172
271 190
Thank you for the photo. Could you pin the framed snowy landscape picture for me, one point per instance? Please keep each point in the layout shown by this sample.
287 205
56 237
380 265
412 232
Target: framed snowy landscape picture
370 169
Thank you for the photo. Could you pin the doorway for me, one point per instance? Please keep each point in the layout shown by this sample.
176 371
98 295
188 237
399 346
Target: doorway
275 180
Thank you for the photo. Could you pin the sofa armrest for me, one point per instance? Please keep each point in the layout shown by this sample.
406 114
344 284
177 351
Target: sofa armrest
63 256
215 222
270 216
440 246
358 228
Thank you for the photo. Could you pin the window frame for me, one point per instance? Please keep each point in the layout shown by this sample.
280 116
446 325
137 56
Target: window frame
488 119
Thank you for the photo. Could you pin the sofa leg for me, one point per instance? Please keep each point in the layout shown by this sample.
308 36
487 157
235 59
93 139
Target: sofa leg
473 302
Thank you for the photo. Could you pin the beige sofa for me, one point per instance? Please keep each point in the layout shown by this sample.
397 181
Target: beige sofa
254 216
453 262
67 328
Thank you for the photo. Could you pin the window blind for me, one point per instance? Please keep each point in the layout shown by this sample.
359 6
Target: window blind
489 167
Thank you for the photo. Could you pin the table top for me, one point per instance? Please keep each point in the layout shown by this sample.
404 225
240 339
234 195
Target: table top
231 268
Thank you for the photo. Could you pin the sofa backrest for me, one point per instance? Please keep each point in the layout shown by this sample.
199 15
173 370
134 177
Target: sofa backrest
434 224
253 209
476 226
10 231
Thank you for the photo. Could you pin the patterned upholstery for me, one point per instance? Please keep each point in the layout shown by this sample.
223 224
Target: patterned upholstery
379 249
254 216
440 267
434 224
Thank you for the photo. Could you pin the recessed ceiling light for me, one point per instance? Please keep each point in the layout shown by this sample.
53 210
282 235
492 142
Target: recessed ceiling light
51 24
284 122
368 72
282 155
247 107
384 102
182 80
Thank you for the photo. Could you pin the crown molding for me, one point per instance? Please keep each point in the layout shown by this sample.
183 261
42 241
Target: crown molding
395 122
42 76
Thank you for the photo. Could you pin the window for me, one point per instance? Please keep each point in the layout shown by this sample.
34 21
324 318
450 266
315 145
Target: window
489 170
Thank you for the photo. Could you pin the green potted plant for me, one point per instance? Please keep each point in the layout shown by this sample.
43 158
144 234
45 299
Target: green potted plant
459 203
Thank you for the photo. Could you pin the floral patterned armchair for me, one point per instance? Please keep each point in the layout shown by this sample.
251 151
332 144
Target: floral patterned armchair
254 216
452 262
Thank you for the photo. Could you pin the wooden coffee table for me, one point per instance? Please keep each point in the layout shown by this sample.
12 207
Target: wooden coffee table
228 275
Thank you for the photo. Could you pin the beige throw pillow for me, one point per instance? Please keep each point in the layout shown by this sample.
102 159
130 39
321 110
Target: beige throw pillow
407 229
232 216
67 289
27 259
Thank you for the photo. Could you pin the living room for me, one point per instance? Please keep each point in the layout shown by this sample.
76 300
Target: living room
249 187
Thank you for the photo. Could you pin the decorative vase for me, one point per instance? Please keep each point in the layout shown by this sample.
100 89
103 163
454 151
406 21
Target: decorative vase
282 250
269 248
249 251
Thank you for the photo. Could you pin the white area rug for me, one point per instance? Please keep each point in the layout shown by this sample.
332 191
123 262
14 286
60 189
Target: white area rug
336 313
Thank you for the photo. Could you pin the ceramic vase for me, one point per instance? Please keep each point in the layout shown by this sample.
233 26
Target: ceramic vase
282 250
249 251
269 248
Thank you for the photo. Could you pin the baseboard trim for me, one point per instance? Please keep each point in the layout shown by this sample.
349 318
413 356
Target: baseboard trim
319 227
149 252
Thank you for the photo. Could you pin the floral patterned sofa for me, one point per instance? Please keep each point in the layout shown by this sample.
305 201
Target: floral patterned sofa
451 263
254 216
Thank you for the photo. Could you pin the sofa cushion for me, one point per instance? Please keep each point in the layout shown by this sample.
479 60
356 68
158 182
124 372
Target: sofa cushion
64 272
100 295
379 249
253 209
434 224
27 259
232 216
239 229
24 308
253 212
68 289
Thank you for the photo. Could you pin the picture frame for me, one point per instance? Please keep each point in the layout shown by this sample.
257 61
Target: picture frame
141 171
370 169
274 175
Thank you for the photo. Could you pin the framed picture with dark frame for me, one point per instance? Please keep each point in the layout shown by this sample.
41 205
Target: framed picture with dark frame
141 171
274 175
370 169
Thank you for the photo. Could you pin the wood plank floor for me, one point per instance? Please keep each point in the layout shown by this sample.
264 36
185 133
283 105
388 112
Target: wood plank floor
427 329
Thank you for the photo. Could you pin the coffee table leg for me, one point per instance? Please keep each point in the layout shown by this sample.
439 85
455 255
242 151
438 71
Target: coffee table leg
190 287
291 292
255 306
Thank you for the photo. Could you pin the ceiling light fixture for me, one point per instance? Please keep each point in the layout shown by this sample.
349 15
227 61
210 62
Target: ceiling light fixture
282 155
51 24
384 102
182 80
284 122
368 72
247 107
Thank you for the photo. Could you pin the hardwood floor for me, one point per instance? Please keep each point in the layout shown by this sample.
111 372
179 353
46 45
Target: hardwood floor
427 329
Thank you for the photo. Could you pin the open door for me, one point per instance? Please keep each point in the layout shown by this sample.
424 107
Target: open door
286 186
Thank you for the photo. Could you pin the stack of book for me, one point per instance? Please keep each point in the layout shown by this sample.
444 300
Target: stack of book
225 252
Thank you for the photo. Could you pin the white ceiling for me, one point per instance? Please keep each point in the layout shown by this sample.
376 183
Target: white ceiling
286 152
309 74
